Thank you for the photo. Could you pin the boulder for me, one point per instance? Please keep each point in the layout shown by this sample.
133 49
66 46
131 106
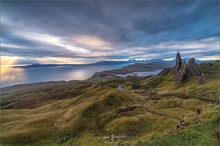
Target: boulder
202 79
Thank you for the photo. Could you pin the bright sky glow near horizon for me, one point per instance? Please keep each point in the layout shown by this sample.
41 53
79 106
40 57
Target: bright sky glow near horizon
90 31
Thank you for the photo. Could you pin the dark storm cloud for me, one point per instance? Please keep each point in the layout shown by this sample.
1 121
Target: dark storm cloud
122 26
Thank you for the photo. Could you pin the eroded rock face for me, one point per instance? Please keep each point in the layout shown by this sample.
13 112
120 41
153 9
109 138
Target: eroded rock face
183 70
176 69
165 71
193 68
178 61
182 73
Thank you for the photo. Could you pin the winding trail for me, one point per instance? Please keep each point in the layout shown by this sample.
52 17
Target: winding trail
154 112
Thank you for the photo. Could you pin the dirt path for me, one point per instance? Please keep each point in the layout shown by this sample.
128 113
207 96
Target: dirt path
154 112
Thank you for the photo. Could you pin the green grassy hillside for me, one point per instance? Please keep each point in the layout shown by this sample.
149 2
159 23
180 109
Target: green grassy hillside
144 111
210 68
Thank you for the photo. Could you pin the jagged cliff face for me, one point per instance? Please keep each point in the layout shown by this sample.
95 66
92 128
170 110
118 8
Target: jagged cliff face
183 70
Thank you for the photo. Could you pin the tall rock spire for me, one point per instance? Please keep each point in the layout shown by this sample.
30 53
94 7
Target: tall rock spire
176 69
178 61
183 70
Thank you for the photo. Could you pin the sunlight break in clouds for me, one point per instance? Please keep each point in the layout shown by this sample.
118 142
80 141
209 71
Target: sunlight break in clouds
6 72
12 45
92 42
205 58
8 61
52 40
130 31
58 60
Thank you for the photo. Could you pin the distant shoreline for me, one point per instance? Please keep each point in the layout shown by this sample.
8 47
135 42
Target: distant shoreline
130 68
115 73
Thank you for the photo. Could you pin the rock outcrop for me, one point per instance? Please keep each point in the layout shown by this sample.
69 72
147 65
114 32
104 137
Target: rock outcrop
202 79
176 69
178 61
193 68
183 70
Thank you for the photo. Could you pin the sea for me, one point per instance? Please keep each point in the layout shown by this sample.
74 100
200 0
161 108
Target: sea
18 75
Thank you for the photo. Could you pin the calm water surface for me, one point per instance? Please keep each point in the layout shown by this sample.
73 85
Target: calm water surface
13 76
144 74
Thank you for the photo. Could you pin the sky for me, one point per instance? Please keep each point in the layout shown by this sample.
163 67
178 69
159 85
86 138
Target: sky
77 32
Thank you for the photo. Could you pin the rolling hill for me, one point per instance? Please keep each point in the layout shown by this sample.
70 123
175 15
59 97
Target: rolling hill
126 111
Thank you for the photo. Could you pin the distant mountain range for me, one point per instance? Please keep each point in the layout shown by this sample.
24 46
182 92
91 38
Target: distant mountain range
132 61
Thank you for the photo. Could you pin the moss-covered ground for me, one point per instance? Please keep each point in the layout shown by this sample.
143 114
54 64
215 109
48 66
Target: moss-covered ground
95 113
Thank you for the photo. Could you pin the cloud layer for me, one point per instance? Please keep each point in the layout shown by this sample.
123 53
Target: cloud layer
90 31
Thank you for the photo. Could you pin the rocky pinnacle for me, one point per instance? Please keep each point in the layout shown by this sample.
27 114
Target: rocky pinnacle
178 61
183 70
